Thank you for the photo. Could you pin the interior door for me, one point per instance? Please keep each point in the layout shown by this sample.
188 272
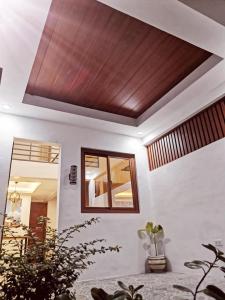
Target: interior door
38 209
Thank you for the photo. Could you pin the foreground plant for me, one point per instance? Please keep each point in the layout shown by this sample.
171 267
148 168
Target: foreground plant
48 268
206 266
126 293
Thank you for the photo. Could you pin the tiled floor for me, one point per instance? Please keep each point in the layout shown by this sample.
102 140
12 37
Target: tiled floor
156 286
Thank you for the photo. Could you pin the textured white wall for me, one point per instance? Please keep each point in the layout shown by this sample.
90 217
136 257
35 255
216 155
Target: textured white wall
118 229
51 213
189 200
25 209
186 196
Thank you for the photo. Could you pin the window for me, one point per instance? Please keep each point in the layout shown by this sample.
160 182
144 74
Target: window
109 182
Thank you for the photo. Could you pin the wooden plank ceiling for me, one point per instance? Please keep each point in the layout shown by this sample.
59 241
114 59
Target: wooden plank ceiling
94 56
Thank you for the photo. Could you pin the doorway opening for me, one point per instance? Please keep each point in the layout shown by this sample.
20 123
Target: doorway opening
32 190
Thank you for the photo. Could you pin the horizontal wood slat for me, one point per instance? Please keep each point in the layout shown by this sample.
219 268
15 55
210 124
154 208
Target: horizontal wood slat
0 74
202 129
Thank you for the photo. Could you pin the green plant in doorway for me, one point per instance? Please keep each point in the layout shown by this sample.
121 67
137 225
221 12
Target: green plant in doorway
47 268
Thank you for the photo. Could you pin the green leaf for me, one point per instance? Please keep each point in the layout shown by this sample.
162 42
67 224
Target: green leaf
63 297
131 288
183 288
222 258
149 227
154 230
214 292
123 286
210 247
160 228
142 233
138 288
192 265
200 263
138 297
121 295
157 228
100 294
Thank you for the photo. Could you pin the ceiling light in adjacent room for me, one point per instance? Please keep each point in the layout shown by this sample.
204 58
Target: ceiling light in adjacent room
14 196
24 187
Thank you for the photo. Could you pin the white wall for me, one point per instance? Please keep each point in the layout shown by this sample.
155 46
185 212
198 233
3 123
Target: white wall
118 229
25 209
51 213
186 196
189 201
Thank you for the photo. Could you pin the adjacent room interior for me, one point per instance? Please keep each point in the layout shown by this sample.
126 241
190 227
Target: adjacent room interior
33 189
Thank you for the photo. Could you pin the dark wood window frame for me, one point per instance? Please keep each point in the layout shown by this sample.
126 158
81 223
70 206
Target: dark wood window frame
110 209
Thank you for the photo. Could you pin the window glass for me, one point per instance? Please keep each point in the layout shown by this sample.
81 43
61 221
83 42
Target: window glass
121 188
96 181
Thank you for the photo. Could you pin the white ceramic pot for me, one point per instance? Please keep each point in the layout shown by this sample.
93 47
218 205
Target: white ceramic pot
157 264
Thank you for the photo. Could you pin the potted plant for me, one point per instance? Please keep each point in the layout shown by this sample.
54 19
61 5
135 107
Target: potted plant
156 261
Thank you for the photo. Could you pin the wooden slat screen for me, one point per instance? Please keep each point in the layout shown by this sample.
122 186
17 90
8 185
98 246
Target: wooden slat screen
0 74
202 129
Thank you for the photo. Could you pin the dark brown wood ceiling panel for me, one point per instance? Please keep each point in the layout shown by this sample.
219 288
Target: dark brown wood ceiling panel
94 56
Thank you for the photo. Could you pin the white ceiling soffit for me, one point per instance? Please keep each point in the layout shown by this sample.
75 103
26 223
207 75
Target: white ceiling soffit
21 26
77 110
213 9
23 187
203 92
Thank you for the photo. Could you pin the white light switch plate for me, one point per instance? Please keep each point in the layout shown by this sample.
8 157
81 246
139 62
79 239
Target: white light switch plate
218 243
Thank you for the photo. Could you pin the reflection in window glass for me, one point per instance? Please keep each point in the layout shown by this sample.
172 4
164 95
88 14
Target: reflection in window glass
96 181
121 188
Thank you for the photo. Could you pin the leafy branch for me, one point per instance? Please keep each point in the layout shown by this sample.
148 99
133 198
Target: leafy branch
206 267
125 293
48 268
